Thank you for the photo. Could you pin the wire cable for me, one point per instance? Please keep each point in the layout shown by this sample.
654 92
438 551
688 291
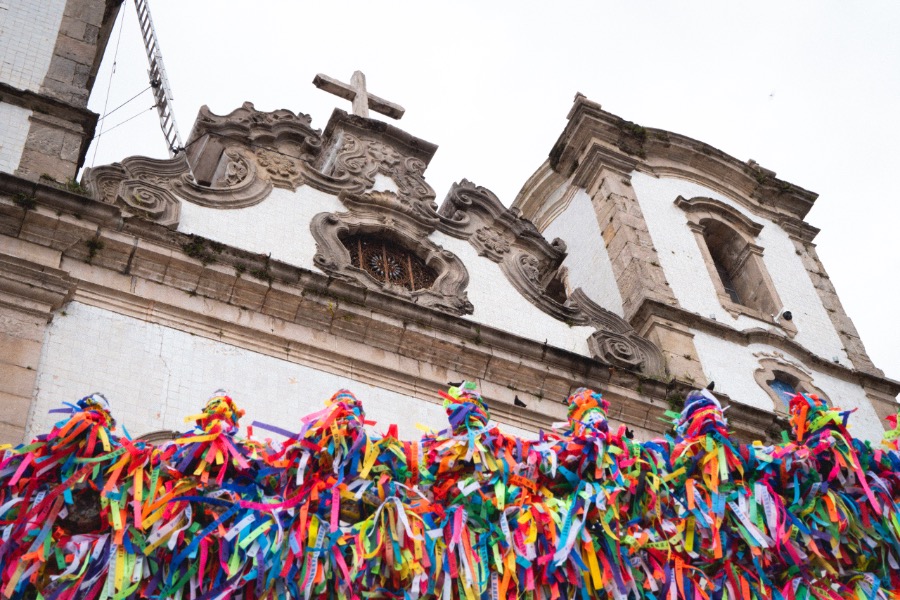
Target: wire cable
123 104
109 85
117 125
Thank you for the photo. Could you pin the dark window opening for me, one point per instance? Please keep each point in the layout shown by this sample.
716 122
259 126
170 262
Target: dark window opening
739 268
389 262
727 283
785 386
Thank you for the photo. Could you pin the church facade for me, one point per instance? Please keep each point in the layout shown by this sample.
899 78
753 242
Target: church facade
283 262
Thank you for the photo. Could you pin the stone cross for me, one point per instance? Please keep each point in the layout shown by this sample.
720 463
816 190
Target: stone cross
356 93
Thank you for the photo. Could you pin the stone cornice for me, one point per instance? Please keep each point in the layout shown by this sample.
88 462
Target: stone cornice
34 289
406 144
26 191
594 136
42 103
650 308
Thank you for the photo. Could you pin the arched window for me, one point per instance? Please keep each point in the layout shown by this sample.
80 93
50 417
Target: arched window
388 262
727 240
738 265
782 379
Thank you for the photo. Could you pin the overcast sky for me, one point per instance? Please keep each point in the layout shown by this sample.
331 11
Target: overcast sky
810 90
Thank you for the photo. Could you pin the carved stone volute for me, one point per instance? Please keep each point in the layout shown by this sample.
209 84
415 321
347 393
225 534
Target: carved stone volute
534 267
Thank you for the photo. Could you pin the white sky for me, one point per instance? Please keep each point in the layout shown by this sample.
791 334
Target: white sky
808 89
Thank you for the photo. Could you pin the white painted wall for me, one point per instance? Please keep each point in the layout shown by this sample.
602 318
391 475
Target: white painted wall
279 224
498 304
588 261
154 376
14 124
732 368
28 32
687 273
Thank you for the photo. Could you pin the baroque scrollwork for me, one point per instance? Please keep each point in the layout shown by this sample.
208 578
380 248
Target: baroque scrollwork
490 243
446 294
149 201
534 267
289 133
360 159
282 170
140 186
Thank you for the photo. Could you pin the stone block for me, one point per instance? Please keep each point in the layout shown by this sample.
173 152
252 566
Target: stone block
91 33
35 163
62 70
11 434
71 147
216 282
72 27
19 352
41 255
45 139
281 304
80 81
14 409
75 50
249 293
18 381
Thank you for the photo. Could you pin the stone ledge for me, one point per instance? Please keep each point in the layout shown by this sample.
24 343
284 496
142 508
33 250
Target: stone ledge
651 308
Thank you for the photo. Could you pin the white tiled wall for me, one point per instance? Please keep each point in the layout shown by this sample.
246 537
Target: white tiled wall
155 376
14 124
28 31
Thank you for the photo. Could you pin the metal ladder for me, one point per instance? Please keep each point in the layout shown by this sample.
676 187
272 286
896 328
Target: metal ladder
158 80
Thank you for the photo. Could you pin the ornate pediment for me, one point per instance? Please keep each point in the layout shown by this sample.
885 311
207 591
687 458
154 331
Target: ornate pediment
288 133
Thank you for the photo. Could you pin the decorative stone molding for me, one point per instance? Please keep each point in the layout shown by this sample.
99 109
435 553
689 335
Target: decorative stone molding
281 130
148 201
651 310
533 265
774 365
236 160
33 289
360 159
701 209
594 136
447 294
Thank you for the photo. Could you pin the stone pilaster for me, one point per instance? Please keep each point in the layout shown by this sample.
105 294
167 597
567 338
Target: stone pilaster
30 293
61 126
845 328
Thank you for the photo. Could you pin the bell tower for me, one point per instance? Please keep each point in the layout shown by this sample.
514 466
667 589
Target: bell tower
710 258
